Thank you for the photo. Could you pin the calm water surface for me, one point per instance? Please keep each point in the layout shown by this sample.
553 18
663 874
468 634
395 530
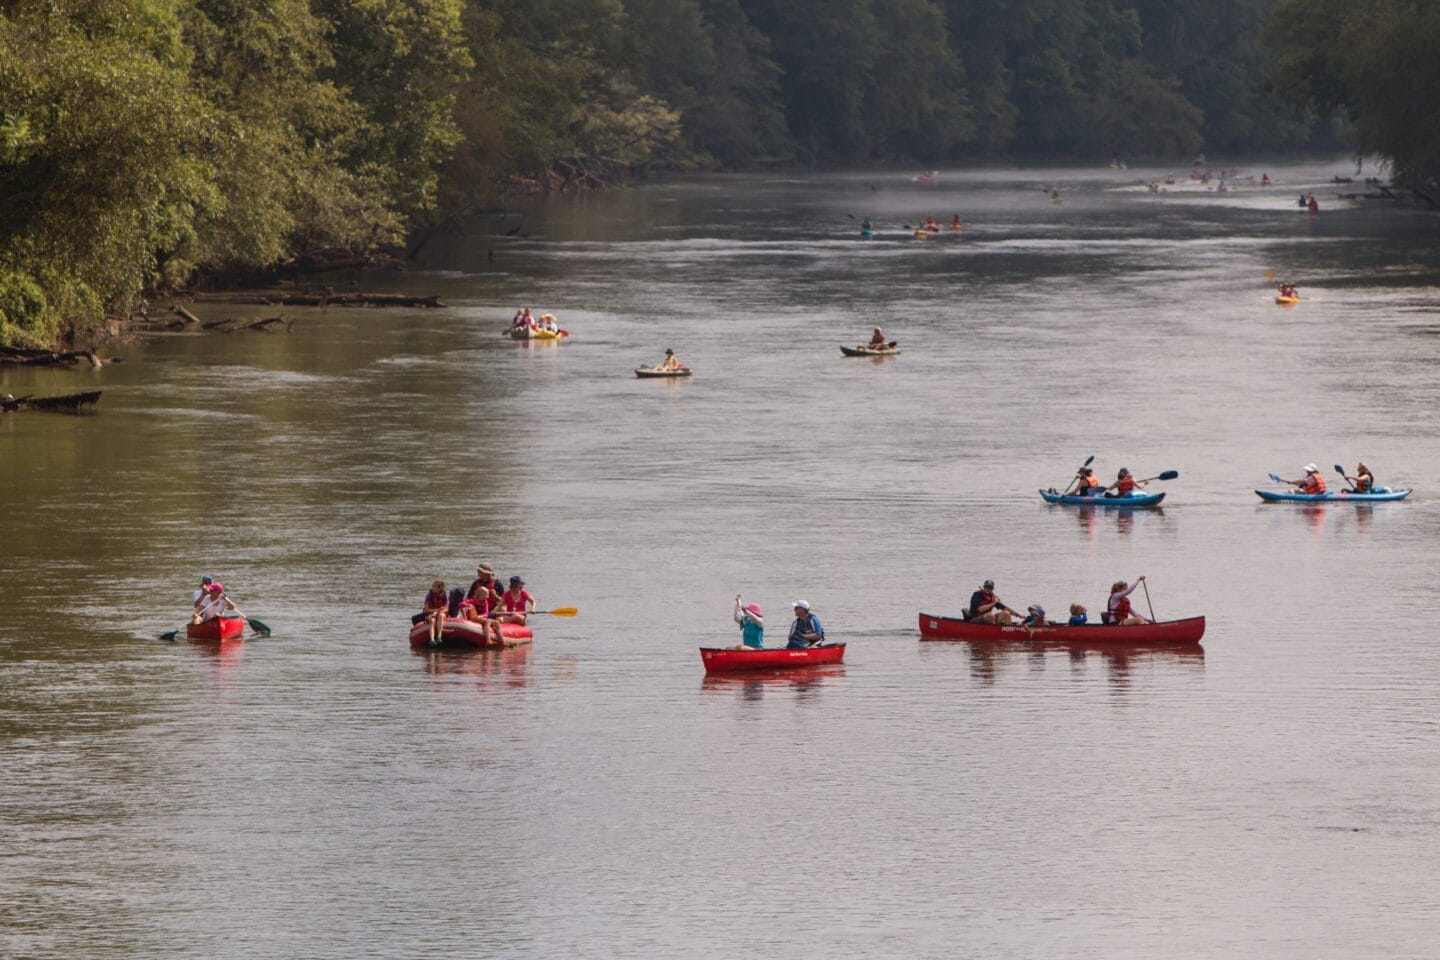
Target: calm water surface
326 793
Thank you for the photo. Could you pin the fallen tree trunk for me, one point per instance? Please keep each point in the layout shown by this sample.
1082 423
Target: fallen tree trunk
324 299
232 326
19 356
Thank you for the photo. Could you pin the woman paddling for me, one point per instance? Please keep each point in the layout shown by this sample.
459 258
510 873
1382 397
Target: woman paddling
1124 485
1118 606
671 362
752 625
1363 481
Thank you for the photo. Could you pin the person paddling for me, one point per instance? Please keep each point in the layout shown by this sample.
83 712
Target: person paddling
203 594
877 340
1124 485
671 362
214 605
1363 481
1312 484
752 625
1288 290
1118 606
517 602
806 631
955 223
1084 484
985 606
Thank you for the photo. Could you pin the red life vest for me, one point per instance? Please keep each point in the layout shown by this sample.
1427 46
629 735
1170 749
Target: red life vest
1125 484
1363 484
1121 611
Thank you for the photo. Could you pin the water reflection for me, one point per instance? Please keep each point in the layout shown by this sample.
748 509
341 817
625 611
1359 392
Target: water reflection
508 667
1092 519
988 661
226 655
804 682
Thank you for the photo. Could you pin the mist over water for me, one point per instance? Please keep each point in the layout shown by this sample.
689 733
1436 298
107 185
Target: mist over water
328 793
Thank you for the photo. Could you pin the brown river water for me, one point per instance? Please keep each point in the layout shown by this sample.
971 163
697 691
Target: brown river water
327 793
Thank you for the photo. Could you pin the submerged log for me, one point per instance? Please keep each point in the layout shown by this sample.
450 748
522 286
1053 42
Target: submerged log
233 326
68 403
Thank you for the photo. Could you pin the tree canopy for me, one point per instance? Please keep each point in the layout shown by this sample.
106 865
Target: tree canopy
143 140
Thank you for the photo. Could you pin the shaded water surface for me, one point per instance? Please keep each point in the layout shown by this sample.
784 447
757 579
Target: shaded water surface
328 793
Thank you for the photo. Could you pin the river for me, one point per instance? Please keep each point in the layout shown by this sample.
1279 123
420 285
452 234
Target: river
327 793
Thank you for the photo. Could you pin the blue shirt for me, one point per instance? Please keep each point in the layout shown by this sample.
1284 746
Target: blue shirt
806 624
752 634
1079 619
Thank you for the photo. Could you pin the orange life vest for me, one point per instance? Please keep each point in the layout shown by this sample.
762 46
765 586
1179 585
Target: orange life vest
1314 483
1125 484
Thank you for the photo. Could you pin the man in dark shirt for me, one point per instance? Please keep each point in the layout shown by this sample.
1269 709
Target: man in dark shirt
985 607
485 579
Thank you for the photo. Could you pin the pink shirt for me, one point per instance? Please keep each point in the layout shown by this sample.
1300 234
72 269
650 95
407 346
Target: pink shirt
514 604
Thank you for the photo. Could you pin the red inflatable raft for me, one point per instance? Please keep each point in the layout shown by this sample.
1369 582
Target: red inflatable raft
721 660
1169 633
217 631
467 633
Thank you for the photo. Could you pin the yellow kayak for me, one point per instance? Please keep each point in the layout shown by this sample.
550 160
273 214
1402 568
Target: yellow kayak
1287 301
550 335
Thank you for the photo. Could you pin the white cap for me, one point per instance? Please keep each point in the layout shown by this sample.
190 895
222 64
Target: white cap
802 604
1311 468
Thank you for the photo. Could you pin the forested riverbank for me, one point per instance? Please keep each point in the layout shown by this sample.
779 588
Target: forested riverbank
143 142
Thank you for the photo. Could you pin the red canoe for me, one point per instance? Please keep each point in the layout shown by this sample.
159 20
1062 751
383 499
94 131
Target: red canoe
218 630
1169 633
721 660
467 633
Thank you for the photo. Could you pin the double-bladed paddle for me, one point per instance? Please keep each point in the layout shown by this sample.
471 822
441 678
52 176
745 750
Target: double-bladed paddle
1167 475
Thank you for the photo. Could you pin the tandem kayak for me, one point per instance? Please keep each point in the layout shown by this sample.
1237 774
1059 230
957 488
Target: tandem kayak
459 632
646 373
870 351
722 660
1177 633
1129 500
1287 301
218 630
1381 495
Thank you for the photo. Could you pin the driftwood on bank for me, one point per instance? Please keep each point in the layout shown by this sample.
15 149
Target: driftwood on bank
20 356
324 298
68 403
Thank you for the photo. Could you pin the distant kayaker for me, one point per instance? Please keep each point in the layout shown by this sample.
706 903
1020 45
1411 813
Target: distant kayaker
671 362
867 225
1288 290
1302 202
1313 204
1118 605
1124 484
1265 180
517 603
1363 480
1079 616
752 625
1312 484
985 607
549 324
955 223
931 225
437 603
877 340
806 631
1084 484
214 605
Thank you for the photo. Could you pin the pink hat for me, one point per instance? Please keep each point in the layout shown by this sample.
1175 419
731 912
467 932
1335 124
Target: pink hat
217 588
753 608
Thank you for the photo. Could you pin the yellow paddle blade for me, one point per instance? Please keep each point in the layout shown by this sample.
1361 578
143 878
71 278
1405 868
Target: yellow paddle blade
563 611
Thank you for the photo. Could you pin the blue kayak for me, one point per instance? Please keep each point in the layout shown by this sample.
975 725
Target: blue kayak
1129 500
1380 495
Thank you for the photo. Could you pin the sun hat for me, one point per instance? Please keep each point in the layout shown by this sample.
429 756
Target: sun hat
1036 609
516 582
753 608
801 605
1311 468
484 568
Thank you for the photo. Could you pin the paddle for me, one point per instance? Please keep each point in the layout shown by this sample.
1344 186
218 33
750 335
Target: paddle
259 626
1275 479
1167 475
1341 470
1088 460
558 612
1147 599
171 635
